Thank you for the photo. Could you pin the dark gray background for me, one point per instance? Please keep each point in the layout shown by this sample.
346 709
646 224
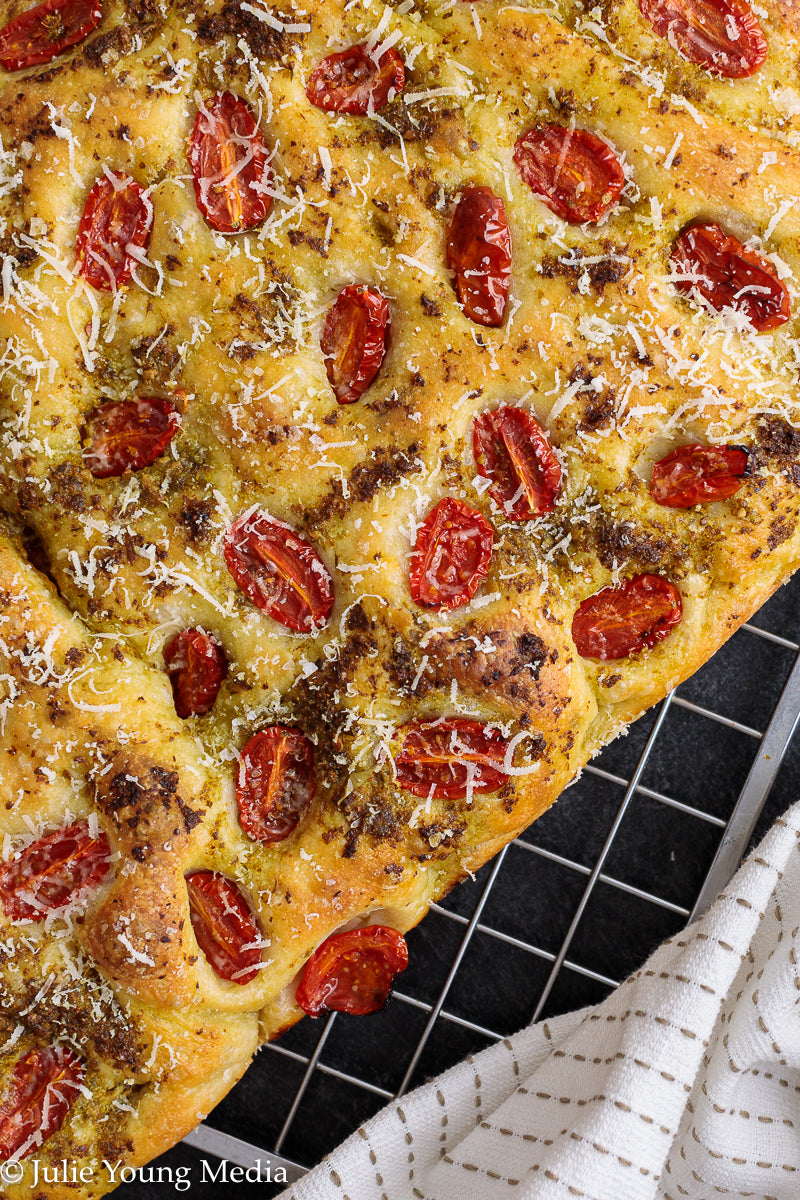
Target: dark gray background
697 761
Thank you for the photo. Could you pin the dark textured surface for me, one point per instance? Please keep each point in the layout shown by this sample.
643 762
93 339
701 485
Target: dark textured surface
659 848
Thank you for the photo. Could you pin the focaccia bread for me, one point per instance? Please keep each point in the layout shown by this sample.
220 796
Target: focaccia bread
396 400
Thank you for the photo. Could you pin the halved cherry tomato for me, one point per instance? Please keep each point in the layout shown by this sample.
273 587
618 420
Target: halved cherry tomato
39 34
224 926
618 621
40 1092
230 164
513 450
354 340
196 665
276 783
279 571
714 263
721 36
53 871
353 82
479 251
574 172
450 759
697 474
116 216
451 555
126 435
352 972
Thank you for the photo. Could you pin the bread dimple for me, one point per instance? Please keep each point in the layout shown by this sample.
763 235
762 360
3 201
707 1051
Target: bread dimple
597 345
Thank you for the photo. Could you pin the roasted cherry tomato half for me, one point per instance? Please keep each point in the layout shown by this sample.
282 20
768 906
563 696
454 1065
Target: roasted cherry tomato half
230 164
53 871
618 621
450 759
708 260
698 474
279 571
39 34
354 340
352 972
196 665
479 251
276 783
126 435
721 36
574 172
353 82
224 926
116 216
451 555
40 1092
513 450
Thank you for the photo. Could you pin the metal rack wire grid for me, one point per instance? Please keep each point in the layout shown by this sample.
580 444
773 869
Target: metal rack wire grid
641 842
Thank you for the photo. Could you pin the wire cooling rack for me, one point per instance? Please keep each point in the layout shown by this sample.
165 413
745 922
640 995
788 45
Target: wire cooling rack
641 843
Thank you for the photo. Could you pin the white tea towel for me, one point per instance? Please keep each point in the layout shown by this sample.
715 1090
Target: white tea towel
685 1082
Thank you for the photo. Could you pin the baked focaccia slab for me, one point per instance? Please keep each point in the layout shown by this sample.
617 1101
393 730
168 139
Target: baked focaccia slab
396 401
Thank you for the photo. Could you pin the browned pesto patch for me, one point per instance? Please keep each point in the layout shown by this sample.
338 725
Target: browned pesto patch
81 1010
231 20
778 446
157 358
268 322
136 796
385 467
614 266
599 411
781 529
196 519
111 45
316 703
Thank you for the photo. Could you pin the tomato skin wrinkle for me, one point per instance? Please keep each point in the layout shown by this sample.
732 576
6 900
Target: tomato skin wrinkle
727 274
53 871
574 172
351 82
352 972
39 1093
196 665
451 555
127 435
513 451
618 621
276 784
354 340
697 474
279 571
479 252
224 926
40 34
723 37
116 216
450 759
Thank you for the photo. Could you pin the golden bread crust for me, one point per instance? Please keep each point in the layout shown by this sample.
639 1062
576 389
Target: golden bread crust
597 344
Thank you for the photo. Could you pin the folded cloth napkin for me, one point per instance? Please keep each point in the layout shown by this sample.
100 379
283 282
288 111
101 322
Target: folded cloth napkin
684 1082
